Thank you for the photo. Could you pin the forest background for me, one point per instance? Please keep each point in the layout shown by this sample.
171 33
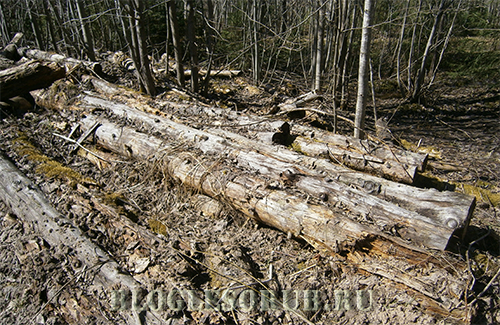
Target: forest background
316 41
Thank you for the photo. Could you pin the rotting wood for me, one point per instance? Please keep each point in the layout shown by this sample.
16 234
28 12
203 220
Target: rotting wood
403 162
29 204
252 196
294 103
70 63
216 73
29 76
438 208
421 229
358 161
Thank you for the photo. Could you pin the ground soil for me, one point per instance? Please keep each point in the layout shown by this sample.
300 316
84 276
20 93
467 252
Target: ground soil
46 285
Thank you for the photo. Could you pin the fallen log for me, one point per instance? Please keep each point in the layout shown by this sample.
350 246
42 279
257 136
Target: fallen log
29 76
29 204
374 165
10 51
439 208
69 63
397 164
420 229
216 73
294 103
329 227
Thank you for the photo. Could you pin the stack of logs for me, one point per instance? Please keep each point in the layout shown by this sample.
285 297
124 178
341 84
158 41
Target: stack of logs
351 197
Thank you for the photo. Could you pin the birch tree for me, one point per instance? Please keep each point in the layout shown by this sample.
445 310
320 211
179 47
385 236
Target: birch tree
364 65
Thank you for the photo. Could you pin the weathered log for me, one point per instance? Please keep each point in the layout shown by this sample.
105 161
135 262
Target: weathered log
294 103
400 165
70 63
384 215
29 204
324 226
29 76
365 147
386 168
216 73
10 51
440 208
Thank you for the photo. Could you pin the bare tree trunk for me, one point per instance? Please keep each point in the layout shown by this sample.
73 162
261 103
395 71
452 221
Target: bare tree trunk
421 73
255 35
345 77
145 69
193 51
412 47
87 33
34 26
445 45
4 31
172 13
364 59
138 47
209 25
319 49
50 27
400 47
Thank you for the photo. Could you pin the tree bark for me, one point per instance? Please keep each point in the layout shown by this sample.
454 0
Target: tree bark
319 48
174 26
364 58
434 204
423 67
29 76
87 33
305 179
70 63
322 226
193 50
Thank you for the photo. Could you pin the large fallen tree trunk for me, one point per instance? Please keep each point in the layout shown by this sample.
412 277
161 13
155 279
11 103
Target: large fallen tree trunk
29 204
70 63
330 227
387 203
364 155
29 76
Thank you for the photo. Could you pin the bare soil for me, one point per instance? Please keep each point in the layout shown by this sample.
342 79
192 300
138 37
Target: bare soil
191 250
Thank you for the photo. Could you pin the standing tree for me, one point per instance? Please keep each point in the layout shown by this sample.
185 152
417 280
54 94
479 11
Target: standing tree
137 45
174 26
430 41
364 64
193 51
87 33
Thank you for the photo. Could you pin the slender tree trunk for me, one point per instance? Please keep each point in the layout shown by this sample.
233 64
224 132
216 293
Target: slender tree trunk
142 49
172 13
50 27
319 49
193 51
210 43
87 33
364 59
421 73
138 46
445 45
412 47
4 31
34 26
400 47
347 59
167 39
255 36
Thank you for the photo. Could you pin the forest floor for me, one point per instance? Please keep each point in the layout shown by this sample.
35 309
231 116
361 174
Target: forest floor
459 126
